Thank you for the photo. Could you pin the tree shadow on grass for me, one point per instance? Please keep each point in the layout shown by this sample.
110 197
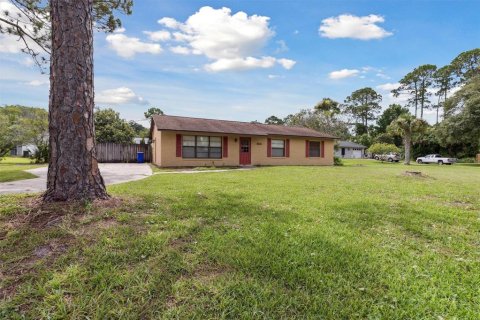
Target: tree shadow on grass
275 268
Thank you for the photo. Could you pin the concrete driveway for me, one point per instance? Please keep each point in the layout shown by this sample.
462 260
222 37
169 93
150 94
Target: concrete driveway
112 173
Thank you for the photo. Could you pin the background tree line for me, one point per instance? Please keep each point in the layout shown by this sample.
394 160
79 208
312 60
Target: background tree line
21 125
453 89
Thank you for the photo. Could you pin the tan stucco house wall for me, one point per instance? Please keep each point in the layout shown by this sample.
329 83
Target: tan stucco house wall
164 149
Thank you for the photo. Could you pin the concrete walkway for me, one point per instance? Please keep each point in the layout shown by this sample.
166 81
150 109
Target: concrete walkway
112 173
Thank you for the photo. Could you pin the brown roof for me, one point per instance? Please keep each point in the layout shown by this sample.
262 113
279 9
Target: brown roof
175 123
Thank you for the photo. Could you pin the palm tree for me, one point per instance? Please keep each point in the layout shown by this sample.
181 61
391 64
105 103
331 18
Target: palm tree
407 126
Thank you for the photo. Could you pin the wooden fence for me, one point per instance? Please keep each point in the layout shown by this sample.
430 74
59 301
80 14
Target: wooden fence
117 152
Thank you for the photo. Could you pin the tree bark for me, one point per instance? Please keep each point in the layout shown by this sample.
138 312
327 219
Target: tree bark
408 146
73 172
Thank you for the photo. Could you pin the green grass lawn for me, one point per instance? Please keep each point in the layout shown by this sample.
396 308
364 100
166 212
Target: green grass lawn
362 241
12 168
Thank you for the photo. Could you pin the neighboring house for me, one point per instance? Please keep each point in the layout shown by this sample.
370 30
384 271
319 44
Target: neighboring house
191 142
24 151
139 140
350 150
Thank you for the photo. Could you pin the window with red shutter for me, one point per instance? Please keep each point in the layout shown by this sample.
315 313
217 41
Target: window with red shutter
225 147
322 150
269 147
287 148
307 144
179 145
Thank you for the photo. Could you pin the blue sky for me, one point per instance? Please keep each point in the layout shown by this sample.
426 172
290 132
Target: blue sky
247 60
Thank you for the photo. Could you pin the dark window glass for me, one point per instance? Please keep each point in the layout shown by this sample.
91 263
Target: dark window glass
202 152
188 152
314 149
202 147
216 153
278 148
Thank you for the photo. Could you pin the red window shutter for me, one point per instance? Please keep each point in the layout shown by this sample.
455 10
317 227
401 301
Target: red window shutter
225 147
287 148
269 147
179 145
307 144
322 149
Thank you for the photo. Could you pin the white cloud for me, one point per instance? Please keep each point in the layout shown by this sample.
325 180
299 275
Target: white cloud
37 83
27 61
286 63
169 23
344 73
181 50
10 44
160 35
388 86
350 26
240 64
382 75
275 76
127 47
122 95
220 35
232 41
388 97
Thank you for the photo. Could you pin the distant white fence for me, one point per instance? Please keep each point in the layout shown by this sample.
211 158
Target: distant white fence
118 152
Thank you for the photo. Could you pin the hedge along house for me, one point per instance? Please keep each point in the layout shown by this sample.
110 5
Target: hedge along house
193 142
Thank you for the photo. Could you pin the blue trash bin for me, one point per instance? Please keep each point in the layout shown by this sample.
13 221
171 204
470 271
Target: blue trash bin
140 157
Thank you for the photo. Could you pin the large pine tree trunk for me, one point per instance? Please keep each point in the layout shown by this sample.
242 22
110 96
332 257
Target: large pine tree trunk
73 169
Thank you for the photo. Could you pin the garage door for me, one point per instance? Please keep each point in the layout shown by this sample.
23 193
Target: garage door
357 154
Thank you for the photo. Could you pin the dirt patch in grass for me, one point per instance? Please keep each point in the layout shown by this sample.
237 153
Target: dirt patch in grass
416 174
45 253
208 272
461 205
39 215
42 232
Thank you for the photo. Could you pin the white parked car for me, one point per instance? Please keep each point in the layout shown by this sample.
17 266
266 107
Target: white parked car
436 158
390 157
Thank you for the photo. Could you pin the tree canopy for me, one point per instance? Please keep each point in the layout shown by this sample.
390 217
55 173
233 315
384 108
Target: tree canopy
328 106
274 120
391 113
109 127
30 21
363 105
415 85
408 127
460 130
466 65
383 148
314 120
152 112
21 125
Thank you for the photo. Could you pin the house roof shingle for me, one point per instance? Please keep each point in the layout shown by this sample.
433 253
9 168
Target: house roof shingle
176 123
350 144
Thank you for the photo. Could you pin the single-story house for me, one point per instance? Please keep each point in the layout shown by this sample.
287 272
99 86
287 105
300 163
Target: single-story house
191 142
24 151
350 150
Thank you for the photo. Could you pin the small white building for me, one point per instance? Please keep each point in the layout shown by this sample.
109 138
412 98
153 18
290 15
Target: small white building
139 140
350 150
24 151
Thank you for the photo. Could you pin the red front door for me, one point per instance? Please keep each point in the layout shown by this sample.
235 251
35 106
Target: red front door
245 151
